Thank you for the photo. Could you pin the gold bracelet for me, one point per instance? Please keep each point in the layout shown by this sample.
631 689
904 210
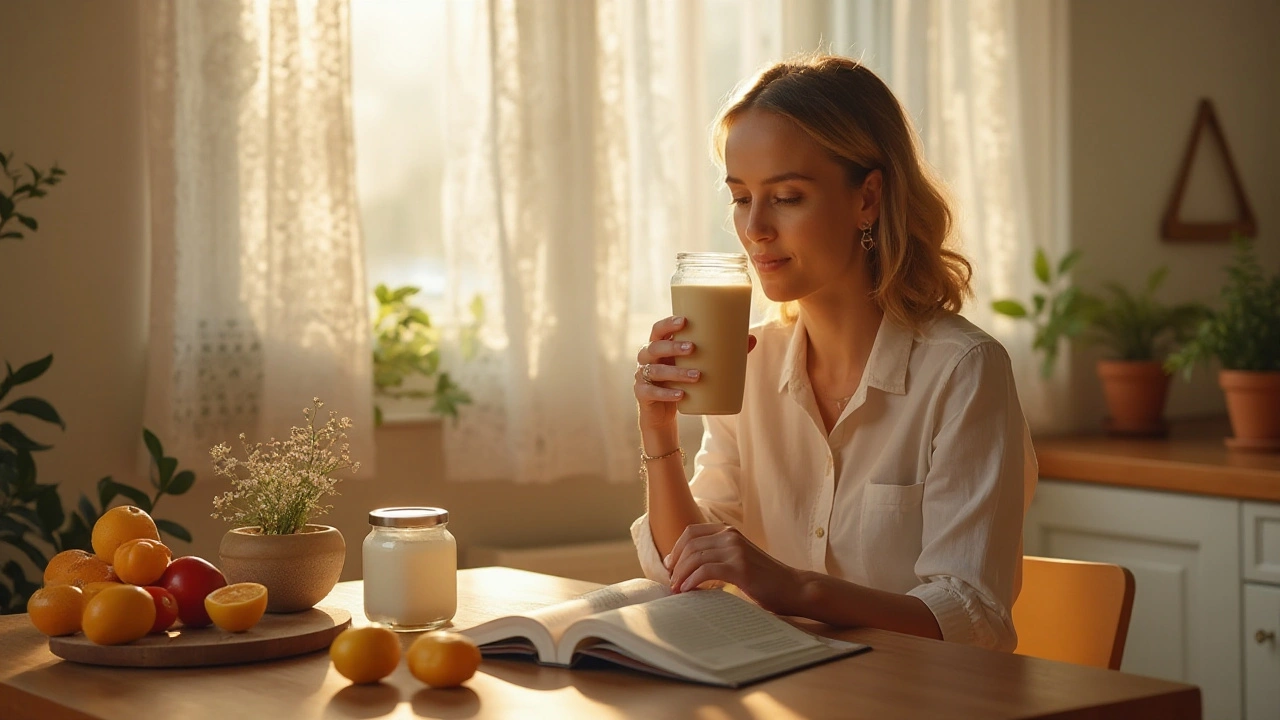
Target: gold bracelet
645 458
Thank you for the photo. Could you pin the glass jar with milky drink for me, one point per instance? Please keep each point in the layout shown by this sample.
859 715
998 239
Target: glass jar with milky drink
712 291
410 568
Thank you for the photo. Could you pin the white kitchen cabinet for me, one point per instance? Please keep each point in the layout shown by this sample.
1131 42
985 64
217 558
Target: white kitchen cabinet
1261 656
1184 552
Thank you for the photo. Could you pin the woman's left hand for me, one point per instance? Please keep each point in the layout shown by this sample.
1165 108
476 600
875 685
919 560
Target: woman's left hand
715 551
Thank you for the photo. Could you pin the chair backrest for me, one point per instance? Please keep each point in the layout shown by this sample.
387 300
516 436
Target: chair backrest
1073 611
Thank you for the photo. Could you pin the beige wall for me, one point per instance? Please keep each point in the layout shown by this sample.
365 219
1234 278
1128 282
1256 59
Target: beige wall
1138 70
79 288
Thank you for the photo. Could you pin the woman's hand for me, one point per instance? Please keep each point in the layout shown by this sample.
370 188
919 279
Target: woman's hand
656 372
714 551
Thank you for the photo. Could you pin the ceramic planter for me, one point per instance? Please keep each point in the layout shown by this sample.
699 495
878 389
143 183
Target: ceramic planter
1135 392
298 569
1253 403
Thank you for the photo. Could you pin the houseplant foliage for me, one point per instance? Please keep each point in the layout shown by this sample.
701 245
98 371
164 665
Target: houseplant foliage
406 353
276 490
1243 335
1136 331
33 521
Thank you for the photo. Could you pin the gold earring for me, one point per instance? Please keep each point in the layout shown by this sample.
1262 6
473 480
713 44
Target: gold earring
868 242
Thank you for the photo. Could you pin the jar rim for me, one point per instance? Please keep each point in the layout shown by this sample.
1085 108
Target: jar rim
408 517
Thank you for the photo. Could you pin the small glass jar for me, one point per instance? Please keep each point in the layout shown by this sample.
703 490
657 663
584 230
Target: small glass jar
410 568
712 292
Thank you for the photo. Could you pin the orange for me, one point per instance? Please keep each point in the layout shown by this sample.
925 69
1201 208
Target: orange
365 655
121 524
55 610
77 567
118 615
93 588
141 561
443 659
236 607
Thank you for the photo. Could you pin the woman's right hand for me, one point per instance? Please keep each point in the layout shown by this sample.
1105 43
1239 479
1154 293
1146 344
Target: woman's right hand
657 375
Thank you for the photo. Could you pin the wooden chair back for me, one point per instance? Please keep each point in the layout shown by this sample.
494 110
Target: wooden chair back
1073 611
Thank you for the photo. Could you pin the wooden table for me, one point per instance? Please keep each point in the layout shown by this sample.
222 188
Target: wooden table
902 677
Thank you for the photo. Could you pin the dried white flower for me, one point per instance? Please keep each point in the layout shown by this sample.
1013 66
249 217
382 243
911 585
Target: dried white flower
279 485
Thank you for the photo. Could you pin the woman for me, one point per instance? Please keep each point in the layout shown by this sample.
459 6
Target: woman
880 468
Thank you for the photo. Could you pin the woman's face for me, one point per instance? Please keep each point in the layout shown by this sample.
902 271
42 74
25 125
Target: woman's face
795 211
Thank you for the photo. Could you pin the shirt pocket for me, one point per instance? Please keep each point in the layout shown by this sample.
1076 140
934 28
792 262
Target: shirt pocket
891 533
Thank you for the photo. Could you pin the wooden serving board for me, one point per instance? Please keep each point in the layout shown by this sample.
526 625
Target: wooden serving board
275 636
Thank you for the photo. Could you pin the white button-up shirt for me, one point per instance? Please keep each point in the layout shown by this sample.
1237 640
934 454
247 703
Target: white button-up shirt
920 488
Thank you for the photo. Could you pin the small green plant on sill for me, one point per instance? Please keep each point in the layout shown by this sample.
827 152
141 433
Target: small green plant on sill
1245 333
22 189
407 349
33 521
1132 327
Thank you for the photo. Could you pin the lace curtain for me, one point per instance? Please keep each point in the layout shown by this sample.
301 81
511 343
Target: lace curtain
258 291
578 165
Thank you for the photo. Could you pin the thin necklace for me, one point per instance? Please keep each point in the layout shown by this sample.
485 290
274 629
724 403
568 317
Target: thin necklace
839 403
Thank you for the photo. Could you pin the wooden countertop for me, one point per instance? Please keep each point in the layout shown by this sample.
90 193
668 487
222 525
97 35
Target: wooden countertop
1193 459
901 677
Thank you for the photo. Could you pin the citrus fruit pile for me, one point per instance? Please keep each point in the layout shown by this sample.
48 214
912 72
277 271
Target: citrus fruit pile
440 659
131 585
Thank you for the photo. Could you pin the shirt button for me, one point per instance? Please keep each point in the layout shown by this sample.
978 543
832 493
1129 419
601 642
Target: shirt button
819 532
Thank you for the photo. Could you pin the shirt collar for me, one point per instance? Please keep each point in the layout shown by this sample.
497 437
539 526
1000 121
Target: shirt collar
886 367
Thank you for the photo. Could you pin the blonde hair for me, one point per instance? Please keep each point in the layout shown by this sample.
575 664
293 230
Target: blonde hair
852 114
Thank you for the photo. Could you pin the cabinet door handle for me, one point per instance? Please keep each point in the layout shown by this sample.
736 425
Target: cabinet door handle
1263 636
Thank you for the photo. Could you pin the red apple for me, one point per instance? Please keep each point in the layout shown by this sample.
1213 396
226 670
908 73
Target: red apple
166 608
190 579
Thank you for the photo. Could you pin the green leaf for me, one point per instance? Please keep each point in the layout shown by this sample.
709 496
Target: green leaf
17 440
1038 300
37 408
138 497
33 553
1012 308
49 508
27 220
106 493
77 536
165 469
1042 266
11 234
88 512
31 370
1156 279
1068 261
377 416
6 206
170 527
181 483
153 445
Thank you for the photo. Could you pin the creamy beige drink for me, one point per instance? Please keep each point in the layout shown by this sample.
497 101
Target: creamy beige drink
717 319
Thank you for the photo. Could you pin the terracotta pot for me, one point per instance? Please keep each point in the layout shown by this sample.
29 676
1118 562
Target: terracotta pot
298 569
1135 393
1253 403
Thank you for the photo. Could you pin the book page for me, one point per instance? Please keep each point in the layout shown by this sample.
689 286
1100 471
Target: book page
713 628
557 618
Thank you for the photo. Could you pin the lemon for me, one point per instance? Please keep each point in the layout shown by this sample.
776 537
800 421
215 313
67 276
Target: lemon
443 659
365 655
236 607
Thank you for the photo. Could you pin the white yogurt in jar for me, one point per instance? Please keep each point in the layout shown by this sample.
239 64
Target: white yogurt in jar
410 568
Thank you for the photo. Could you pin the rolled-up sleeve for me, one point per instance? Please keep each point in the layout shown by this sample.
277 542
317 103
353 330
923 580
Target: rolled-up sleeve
717 471
974 492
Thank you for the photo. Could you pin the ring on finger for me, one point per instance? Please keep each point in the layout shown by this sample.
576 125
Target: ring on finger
644 374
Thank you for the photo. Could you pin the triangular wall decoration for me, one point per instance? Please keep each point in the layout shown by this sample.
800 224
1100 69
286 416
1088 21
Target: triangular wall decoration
1175 229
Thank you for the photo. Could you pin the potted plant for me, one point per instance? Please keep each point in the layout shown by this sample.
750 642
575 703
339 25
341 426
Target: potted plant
1244 337
1136 331
407 357
276 490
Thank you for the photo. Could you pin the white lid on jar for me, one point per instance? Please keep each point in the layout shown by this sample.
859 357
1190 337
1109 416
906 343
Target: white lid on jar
408 517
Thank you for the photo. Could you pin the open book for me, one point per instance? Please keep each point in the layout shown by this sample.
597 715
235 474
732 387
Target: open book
707 636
